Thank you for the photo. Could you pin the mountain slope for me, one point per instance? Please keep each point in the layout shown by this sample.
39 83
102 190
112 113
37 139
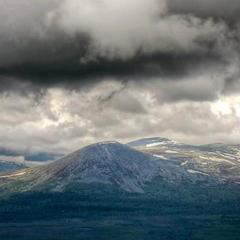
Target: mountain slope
119 166
109 163
221 161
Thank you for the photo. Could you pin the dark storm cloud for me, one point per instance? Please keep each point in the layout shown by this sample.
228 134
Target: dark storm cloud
180 51
69 41
71 71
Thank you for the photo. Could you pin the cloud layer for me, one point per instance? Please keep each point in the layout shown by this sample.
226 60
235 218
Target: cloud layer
64 41
64 120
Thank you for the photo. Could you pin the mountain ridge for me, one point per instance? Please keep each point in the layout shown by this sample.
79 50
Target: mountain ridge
127 168
106 162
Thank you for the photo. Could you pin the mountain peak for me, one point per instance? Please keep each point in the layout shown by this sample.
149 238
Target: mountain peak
103 145
105 162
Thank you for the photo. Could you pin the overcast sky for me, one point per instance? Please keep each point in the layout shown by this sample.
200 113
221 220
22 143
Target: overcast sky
74 72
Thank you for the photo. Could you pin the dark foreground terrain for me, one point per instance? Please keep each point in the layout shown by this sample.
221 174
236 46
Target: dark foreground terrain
71 216
130 226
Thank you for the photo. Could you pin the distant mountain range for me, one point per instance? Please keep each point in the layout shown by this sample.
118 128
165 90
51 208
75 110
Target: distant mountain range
221 161
134 167
108 163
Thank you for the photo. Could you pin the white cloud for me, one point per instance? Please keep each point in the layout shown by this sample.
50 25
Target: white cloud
65 120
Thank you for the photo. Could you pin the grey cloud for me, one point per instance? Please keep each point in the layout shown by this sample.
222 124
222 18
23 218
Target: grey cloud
65 120
126 103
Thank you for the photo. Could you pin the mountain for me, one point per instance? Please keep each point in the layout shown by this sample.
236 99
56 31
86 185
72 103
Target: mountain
153 161
106 163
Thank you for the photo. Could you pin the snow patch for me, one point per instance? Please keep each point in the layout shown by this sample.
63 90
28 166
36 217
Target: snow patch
184 163
198 172
13 175
171 151
159 156
155 144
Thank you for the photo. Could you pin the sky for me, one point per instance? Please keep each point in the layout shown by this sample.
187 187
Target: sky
75 72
